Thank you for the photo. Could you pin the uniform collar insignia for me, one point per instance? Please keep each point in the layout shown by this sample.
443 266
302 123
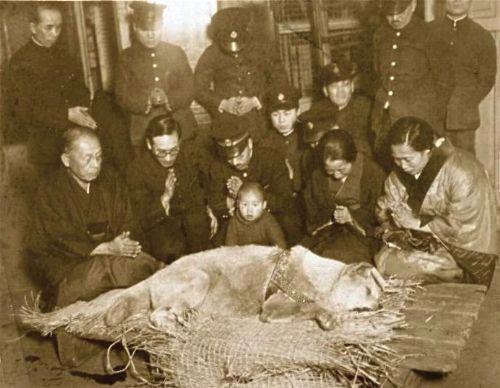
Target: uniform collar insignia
281 96
228 143
233 34
310 125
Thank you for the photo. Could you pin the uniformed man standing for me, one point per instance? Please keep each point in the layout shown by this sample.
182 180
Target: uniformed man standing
241 160
233 74
401 63
343 108
153 77
463 61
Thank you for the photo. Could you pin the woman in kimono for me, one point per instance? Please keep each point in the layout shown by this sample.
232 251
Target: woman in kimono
340 201
441 201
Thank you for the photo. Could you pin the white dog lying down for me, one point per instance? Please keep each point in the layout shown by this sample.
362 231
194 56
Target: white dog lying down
250 280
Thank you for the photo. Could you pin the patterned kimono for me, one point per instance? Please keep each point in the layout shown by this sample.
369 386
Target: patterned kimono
454 198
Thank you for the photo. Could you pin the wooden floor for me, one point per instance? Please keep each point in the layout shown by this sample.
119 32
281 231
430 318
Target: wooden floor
28 361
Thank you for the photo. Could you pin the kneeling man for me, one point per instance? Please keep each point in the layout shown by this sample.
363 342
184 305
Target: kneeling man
84 240
167 194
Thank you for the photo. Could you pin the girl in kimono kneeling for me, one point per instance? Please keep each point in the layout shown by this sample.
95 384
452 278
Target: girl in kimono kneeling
438 210
340 199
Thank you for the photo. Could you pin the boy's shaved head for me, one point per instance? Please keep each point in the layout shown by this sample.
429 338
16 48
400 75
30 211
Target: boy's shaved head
251 187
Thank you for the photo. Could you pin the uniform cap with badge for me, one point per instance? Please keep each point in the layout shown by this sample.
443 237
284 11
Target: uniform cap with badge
282 96
229 28
394 7
230 133
315 123
338 70
147 15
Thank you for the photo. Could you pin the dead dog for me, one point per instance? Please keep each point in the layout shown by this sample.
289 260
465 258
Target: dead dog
243 281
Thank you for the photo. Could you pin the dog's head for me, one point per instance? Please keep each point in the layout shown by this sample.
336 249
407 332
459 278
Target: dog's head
358 288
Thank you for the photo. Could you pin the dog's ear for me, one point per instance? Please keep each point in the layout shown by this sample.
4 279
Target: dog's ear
359 269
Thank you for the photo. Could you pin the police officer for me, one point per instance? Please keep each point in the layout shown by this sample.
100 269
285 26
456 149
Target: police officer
153 77
463 61
401 63
342 107
239 68
239 160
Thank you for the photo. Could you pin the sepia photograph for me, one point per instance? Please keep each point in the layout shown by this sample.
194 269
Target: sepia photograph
249 193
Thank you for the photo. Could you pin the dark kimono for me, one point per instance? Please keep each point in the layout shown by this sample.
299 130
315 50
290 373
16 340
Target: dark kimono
453 196
68 224
41 85
186 228
359 193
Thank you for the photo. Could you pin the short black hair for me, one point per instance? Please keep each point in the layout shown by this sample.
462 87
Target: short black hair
37 7
412 131
255 187
71 136
337 145
162 125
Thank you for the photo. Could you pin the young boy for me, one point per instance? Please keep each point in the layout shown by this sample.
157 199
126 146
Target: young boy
285 138
252 223
345 109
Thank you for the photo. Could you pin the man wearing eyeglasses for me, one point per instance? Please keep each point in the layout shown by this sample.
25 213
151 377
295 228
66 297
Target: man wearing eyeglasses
167 194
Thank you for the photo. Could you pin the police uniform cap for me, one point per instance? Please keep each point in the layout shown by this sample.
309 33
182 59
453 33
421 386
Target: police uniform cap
146 15
229 28
315 123
230 133
282 96
394 7
338 70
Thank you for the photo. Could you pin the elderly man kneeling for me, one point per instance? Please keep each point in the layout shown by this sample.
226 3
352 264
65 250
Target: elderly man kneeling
83 239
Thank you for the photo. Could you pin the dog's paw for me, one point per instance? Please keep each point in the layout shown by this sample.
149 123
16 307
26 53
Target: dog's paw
326 320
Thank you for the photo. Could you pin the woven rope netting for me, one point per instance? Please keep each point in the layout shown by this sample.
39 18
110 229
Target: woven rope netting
220 351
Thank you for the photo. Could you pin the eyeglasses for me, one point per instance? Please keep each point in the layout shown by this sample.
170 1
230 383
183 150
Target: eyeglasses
164 153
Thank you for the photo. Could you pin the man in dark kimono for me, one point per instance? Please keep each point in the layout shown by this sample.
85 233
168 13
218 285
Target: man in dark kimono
167 193
46 95
405 81
240 160
153 77
341 106
463 61
233 74
84 240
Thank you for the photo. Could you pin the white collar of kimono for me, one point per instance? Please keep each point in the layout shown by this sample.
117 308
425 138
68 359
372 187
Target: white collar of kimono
457 19
36 41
